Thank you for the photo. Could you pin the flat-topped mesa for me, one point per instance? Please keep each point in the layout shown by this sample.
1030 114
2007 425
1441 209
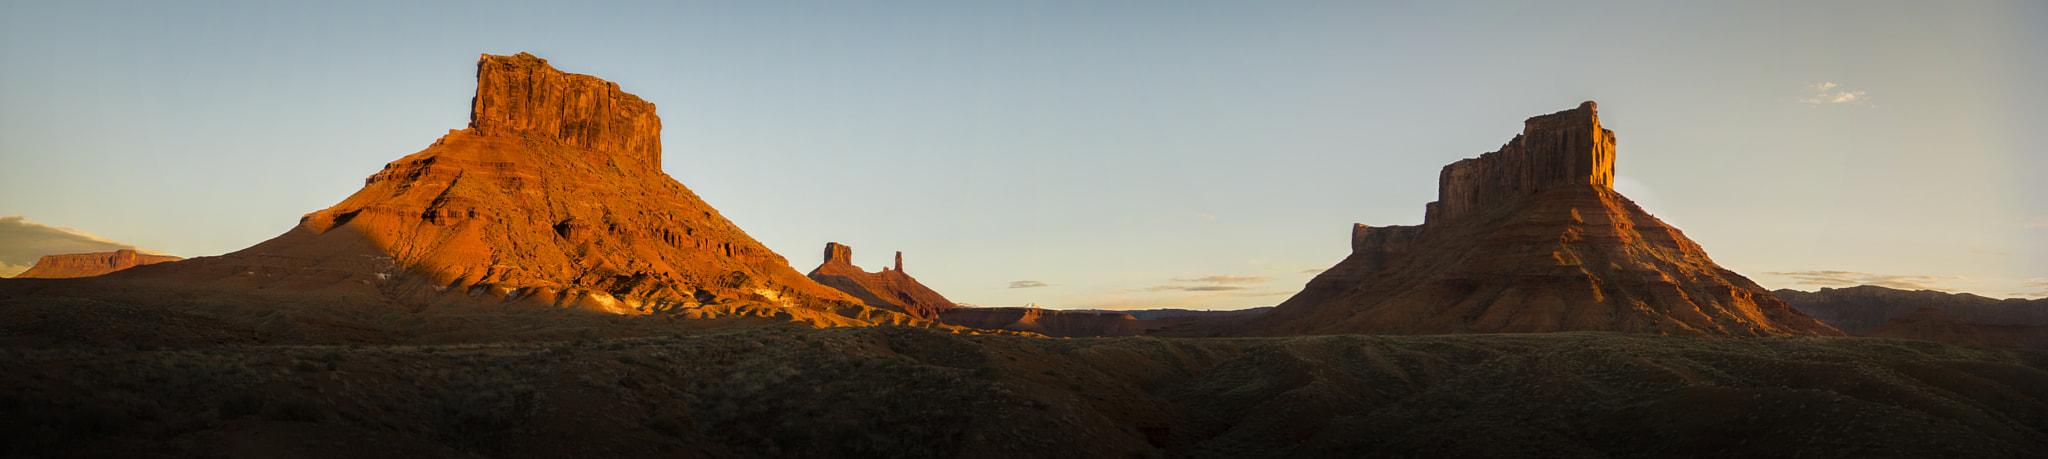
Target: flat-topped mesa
521 94
1563 148
90 264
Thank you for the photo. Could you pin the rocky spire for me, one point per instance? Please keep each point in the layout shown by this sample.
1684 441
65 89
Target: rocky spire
899 261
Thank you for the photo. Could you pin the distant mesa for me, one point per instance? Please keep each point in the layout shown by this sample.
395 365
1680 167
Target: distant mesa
1533 238
1954 318
890 289
554 196
90 264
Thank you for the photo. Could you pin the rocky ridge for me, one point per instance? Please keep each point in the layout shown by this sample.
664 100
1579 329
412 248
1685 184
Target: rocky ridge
89 264
1533 238
890 289
1855 309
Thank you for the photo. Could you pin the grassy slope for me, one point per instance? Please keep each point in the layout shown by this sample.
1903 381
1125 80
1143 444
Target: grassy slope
911 392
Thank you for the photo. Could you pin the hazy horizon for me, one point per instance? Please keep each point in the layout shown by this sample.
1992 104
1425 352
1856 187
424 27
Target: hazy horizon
1079 155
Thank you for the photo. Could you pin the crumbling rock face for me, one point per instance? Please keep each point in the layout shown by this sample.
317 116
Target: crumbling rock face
1533 238
890 289
553 195
89 264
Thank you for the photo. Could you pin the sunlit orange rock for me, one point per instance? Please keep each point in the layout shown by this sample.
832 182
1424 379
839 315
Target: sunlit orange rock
89 264
1533 238
554 194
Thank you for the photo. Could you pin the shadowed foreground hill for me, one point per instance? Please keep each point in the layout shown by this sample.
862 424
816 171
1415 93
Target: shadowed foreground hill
913 392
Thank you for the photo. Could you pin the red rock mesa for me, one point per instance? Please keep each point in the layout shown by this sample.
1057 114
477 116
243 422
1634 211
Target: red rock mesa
553 195
1533 238
89 264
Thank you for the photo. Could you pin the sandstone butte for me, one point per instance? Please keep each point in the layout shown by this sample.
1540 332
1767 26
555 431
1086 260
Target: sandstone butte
1528 239
553 195
89 264
890 289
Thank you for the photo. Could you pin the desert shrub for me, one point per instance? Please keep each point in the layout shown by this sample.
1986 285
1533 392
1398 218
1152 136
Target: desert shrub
239 405
305 366
477 411
986 371
296 409
666 426
629 360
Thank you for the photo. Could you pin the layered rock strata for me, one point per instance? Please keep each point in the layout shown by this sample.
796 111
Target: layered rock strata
89 264
890 289
1533 238
553 195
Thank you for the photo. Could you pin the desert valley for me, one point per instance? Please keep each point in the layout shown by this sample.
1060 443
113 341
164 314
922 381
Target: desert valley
534 284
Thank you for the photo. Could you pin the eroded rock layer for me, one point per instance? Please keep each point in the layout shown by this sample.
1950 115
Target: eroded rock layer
889 289
553 195
1533 238
89 264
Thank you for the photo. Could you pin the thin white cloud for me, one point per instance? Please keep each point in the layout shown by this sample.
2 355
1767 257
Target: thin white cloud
1226 279
1027 284
22 242
1192 288
2036 223
1206 217
1823 93
1851 278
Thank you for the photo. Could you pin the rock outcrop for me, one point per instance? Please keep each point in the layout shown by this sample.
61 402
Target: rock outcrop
89 264
553 195
890 289
1856 309
1533 238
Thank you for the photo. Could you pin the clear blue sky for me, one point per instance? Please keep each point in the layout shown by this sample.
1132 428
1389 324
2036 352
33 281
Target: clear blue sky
1124 154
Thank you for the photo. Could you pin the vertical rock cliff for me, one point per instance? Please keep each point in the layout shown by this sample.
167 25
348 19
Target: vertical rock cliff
1533 238
553 195
89 264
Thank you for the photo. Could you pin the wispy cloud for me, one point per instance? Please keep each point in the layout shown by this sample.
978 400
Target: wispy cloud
1226 279
1192 288
1206 217
1989 252
2036 223
1208 284
23 241
2037 284
1313 271
1851 278
1824 93
1026 284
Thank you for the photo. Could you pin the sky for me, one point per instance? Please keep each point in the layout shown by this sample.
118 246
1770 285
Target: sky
1111 155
